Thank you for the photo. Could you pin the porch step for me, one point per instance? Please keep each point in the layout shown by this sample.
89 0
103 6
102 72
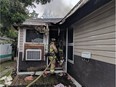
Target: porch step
57 68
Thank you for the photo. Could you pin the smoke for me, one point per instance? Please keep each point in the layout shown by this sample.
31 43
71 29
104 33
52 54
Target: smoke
57 8
54 9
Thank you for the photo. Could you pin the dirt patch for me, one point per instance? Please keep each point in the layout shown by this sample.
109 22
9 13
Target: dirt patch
7 65
49 81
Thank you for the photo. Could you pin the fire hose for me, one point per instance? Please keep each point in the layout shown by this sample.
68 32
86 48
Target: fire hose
38 76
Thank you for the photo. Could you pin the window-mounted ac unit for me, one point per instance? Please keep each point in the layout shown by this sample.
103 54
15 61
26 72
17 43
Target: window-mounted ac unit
33 54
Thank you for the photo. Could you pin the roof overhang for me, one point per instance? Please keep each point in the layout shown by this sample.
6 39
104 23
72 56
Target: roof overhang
81 11
76 7
41 21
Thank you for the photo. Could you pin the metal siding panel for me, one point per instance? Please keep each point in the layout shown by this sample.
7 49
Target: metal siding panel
106 15
97 12
96 34
95 42
100 31
98 47
99 53
100 58
86 29
106 37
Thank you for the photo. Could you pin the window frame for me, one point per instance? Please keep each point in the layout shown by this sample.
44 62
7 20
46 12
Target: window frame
70 44
32 42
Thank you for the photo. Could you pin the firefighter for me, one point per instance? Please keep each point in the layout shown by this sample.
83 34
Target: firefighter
60 53
61 56
53 50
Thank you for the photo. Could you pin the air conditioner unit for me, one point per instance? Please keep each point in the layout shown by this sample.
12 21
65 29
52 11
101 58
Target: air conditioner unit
33 54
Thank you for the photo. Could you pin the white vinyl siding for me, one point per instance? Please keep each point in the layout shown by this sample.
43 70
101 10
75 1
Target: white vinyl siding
21 40
96 34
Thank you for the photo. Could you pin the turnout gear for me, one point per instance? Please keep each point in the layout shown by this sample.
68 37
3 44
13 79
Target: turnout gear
56 56
52 57
60 53
61 56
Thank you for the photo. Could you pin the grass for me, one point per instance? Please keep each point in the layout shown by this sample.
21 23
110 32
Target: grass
6 74
6 65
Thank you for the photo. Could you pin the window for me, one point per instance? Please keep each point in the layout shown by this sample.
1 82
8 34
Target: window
70 52
70 35
70 45
34 36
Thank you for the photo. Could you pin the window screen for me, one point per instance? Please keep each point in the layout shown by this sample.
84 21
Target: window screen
34 36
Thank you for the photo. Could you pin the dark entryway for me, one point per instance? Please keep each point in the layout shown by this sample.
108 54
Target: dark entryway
60 36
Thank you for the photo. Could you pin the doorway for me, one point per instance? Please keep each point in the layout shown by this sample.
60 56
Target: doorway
60 36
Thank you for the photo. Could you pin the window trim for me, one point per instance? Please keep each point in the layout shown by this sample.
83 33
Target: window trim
24 41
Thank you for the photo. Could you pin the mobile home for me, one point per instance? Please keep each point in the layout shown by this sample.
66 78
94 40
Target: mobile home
92 30
88 33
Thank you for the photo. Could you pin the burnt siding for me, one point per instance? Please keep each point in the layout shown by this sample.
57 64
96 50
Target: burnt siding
93 73
25 65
